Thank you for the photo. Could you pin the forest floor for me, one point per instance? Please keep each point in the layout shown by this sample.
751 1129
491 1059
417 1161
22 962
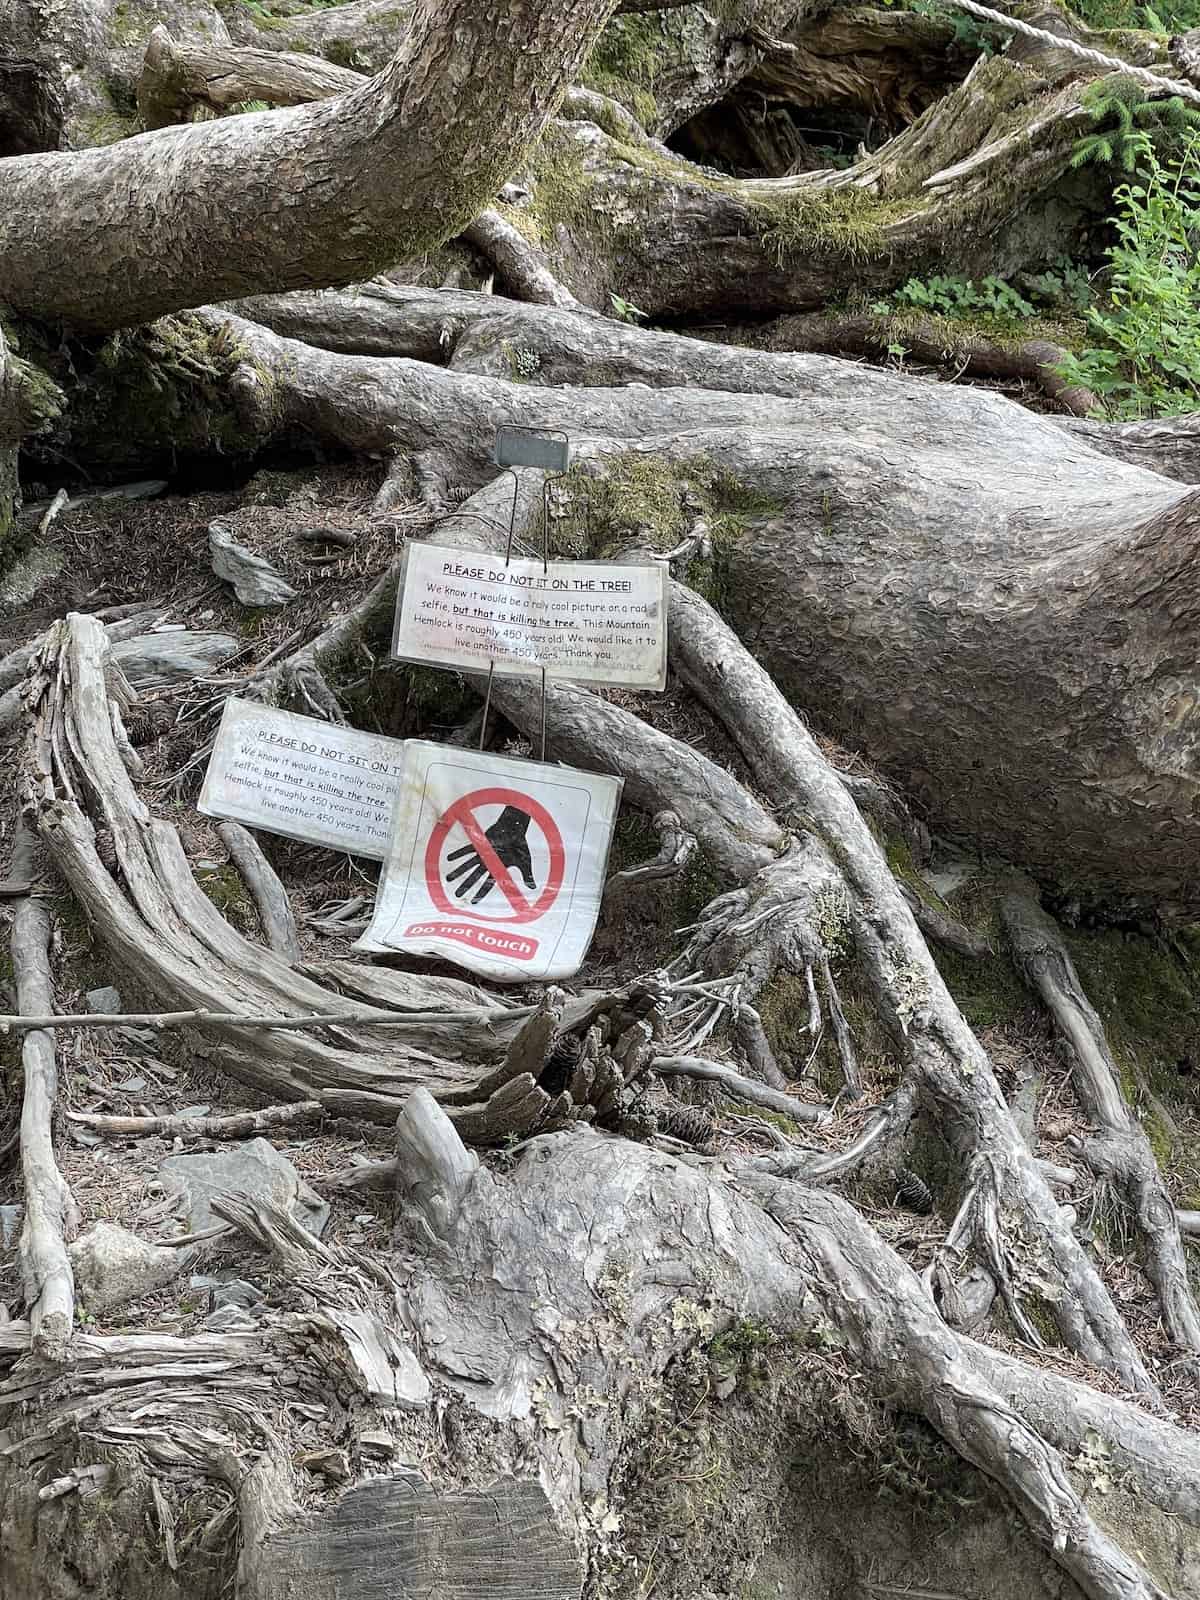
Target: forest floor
118 552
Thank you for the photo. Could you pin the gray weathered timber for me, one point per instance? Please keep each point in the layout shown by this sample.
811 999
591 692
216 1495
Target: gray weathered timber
107 237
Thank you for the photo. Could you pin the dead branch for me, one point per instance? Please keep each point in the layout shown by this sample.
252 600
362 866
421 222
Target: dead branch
175 77
271 898
50 1215
739 1087
676 849
240 1125
519 264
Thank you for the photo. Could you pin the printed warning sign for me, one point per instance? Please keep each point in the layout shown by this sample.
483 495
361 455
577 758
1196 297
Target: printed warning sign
304 778
495 864
589 621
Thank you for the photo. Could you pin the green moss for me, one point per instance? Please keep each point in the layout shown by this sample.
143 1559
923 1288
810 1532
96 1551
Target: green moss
225 888
639 499
1148 997
106 127
626 61
846 223
164 389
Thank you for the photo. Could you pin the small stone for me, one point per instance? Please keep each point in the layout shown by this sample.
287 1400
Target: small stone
133 1085
10 1224
255 581
236 1292
113 1266
104 1002
193 1111
228 1319
331 1464
253 1169
378 1444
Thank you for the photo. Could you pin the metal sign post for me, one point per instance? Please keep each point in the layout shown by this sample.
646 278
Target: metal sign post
517 446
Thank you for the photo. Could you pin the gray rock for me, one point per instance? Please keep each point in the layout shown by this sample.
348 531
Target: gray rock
228 1319
253 1169
10 1224
113 1266
157 660
255 581
233 1292
103 1002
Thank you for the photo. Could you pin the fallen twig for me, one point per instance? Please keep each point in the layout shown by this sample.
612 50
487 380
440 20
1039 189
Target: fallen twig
238 1125
232 1019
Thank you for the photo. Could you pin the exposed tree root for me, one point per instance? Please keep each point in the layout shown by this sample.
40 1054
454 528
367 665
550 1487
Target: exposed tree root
50 1213
1119 1152
463 1302
274 908
168 938
924 339
824 885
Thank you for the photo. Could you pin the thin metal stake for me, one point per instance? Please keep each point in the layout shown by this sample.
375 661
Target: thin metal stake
487 703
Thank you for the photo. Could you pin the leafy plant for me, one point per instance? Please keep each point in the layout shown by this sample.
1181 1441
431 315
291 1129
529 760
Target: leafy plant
1145 359
624 311
1126 123
952 296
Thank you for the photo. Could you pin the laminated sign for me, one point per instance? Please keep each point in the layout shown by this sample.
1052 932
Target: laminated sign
304 778
588 621
495 864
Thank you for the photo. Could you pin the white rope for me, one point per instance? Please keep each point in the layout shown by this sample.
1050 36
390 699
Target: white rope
1187 91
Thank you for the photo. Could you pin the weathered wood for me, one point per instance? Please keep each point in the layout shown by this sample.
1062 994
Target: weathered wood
50 1214
1119 1150
270 897
175 77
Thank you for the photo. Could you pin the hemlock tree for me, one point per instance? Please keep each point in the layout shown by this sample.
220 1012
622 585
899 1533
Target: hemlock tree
870 1338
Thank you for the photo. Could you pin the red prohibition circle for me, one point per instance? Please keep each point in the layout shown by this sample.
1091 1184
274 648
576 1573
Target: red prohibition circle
463 812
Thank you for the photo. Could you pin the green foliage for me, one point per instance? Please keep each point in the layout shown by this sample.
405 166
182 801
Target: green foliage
967 33
1126 124
1063 289
1144 358
624 311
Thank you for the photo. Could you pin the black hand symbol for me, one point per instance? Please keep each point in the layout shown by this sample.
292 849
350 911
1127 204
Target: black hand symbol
507 838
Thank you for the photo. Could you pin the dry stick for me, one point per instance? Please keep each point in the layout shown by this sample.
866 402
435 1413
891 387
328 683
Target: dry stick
239 1125
1120 1151
49 1209
234 1019
742 1088
274 907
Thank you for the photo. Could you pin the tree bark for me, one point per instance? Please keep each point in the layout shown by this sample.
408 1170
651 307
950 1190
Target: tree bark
997 715
109 237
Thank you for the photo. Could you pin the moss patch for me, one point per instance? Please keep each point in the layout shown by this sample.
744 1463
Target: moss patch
225 888
635 499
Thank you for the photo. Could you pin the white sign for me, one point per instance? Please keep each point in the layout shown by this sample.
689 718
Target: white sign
305 778
495 864
589 621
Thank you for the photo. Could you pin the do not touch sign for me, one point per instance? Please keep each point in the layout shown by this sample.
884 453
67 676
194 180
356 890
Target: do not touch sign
495 864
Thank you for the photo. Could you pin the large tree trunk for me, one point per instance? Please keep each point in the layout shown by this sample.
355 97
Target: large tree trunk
1026 593
108 237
